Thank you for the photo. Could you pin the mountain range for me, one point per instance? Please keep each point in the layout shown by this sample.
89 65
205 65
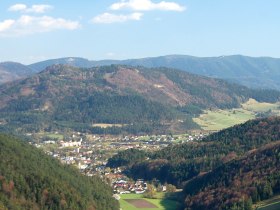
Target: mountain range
261 72
136 99
10 71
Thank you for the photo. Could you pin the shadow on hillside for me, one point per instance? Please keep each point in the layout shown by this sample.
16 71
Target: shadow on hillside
173 201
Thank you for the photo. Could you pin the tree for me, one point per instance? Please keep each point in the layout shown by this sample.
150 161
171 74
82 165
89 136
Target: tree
170 188
150 192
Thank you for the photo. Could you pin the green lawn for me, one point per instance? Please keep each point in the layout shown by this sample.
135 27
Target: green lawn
161 203
55 136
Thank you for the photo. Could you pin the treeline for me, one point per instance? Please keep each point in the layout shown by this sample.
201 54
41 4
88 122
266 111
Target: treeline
31 180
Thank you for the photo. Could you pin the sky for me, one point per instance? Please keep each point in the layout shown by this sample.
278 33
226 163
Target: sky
32 31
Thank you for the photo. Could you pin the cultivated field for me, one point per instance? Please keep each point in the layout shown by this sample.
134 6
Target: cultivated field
137 202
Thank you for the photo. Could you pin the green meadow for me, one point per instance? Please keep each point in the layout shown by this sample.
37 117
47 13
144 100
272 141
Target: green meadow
220 119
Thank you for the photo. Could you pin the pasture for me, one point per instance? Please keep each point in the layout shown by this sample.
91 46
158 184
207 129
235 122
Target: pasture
220 119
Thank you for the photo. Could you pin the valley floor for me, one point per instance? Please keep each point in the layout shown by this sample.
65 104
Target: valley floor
160 203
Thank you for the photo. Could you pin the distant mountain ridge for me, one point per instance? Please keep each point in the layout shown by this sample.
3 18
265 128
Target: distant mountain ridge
10 71
254 72
262 72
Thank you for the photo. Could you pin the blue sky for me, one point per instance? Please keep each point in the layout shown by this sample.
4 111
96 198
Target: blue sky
31 31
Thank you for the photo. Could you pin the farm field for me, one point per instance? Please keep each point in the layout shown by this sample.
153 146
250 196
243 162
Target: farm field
221 119
134 201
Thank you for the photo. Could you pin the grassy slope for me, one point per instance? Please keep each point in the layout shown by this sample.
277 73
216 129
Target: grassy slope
221 119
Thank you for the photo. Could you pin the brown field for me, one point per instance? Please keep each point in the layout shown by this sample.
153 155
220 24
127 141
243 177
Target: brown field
141 203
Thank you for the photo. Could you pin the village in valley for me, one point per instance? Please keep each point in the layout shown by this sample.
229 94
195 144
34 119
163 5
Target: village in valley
90 153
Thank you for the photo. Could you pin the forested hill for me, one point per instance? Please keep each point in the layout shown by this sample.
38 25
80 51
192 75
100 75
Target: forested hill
177 164
228 169
141 99
238 139
29 179
239 183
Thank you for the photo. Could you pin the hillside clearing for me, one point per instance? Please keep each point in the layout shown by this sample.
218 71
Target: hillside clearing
221 119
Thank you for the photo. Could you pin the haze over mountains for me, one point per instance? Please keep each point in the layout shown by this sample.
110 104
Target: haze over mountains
10 71
261 72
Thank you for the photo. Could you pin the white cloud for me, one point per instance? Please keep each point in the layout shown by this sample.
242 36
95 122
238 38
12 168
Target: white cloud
6 24
37 8
42 8
112 18
147 5
18 7
32 24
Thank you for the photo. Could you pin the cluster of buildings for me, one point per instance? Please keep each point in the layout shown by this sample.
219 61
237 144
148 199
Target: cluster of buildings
90 152
126 187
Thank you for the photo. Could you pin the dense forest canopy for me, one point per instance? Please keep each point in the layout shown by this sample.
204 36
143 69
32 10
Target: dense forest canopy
29 179
239 183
